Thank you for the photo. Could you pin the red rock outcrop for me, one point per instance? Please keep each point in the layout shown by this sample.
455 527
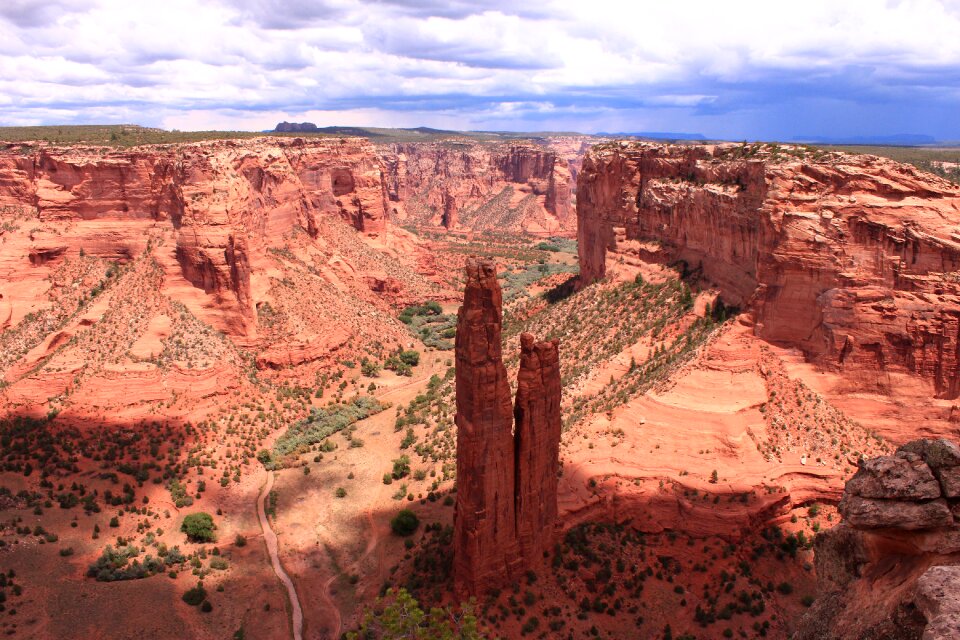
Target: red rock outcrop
538 422
480 186
851 258
485 546
891 569
506 482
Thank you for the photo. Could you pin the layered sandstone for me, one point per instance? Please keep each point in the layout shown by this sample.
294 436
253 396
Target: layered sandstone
477 186
485 546
220 202
538 422
157 259
853 259
506 481
890 569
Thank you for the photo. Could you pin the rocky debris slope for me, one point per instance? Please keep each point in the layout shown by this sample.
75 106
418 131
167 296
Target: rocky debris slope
506 483
851 258
479 186
892 568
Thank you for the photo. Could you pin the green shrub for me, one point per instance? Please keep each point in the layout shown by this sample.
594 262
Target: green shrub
122 563
410 357
401 467
341 492
198 527
195 596
405 523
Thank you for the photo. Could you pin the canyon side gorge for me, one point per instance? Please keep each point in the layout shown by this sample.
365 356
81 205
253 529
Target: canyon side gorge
691 390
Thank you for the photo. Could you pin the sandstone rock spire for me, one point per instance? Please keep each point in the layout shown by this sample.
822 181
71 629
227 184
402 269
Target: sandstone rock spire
537 441
485 544
506 480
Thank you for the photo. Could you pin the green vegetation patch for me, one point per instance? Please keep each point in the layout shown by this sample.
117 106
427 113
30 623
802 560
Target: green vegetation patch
431 325
318 426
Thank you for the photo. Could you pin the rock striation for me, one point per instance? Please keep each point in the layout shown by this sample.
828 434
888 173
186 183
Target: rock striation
165 263
479 186
892 567
221 201
853 259
506 481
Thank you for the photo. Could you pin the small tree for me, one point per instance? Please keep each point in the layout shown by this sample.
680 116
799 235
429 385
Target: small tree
402 618
195 596
401 467
405 523
198 527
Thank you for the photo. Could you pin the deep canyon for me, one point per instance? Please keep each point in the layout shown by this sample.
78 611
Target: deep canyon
718 352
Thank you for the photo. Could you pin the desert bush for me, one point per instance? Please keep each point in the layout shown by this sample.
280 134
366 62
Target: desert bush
199 527
195 596
404 523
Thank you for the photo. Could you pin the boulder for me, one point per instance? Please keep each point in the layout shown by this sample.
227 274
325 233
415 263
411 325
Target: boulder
943 458
938 598
904 476
869 513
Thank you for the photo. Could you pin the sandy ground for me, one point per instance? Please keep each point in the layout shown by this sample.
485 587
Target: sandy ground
325 540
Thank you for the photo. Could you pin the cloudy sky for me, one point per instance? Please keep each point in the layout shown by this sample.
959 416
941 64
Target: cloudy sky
758 69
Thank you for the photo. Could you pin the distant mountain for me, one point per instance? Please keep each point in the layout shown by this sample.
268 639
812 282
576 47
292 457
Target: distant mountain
896 139
294 127
655 135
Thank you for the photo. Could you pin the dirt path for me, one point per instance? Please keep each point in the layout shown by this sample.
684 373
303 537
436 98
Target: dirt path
327 598
272 547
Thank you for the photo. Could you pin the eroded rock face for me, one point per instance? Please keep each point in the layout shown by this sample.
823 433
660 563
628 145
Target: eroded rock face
221 200
538 423
938 598
480 186
904 476
847 257
506 482
890 569
485 546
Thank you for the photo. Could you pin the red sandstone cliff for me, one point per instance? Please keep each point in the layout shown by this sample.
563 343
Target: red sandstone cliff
506 481
851 258
219 200
277 245
479 186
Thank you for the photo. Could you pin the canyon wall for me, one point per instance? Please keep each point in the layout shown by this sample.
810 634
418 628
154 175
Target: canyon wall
854 259
468 185
220 201
161 264
506 479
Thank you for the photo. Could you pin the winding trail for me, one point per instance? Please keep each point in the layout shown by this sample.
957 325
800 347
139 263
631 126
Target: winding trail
272 547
